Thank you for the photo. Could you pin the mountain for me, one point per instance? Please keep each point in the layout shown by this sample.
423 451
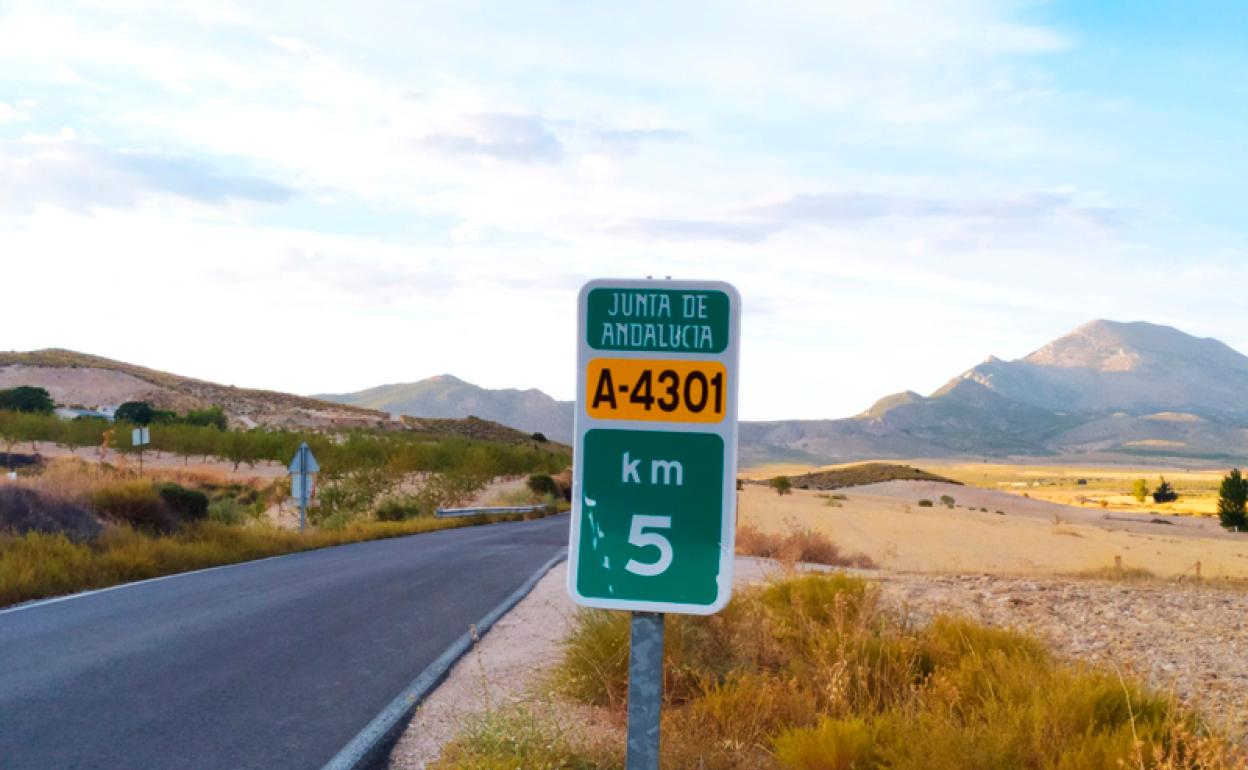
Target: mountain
1106 387
531 411
79 379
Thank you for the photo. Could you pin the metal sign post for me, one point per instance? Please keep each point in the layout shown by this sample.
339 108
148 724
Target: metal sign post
655 460
303 470
140 437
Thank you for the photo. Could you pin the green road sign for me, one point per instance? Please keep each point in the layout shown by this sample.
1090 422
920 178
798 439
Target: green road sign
654 507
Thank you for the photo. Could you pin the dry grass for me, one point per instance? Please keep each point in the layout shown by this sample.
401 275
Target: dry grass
35 565
809 673
799 544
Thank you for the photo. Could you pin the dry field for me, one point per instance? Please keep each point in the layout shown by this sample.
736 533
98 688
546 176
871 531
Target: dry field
1028 536
1103 486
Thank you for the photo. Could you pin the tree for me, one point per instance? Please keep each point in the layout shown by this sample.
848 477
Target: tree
24 398
1164 492
137 412
1139 490
1233 501
213 416
782 484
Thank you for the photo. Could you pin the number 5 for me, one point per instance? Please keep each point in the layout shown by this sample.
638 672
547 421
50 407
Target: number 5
639 537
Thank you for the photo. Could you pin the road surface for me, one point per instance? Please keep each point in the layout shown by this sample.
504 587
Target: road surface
273 664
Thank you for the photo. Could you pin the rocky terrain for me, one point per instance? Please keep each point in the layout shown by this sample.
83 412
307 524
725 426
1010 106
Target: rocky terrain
1182 637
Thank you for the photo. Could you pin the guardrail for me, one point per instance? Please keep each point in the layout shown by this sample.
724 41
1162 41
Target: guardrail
451 513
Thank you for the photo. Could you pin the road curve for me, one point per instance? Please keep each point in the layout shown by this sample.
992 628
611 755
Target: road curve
272 664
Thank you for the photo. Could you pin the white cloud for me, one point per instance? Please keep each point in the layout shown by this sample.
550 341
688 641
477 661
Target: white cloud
227 166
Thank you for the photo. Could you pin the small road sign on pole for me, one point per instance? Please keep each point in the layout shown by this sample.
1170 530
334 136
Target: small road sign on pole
655 465
303 470
140 437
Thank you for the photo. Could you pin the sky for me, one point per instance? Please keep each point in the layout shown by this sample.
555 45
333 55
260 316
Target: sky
327 197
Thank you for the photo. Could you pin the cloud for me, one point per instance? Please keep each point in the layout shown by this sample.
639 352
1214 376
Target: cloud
829 209
77 175
627 141
15 113
503 136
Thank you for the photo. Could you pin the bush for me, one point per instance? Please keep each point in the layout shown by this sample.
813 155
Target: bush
541 485
227 511
925 503
1164 492
1139 490
135 503
810 673
799 545
189 504
782 484
947 501
402 509
26 510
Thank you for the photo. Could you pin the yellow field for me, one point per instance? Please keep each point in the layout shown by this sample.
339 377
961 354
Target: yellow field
1031 537
1105 487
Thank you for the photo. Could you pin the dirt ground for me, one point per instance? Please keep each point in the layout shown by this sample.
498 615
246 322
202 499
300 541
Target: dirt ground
1027 537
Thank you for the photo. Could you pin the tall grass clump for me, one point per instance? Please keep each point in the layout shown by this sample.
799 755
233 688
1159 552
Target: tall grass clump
811 672
799 544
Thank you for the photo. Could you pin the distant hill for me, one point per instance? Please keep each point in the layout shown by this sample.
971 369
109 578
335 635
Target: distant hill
79 379
1112 388
529 410
1106 389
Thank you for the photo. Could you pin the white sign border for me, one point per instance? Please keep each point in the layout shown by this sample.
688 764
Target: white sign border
725 429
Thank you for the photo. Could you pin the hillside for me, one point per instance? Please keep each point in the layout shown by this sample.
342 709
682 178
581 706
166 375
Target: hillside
79 379
447 396
1135 389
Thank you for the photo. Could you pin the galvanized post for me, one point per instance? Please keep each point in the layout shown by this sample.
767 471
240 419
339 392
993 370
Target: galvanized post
303 485
645 690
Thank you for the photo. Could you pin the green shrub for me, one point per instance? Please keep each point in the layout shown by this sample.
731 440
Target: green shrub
925 503
402 509
227 511
189 504
541 484
782 484
135 503
947 501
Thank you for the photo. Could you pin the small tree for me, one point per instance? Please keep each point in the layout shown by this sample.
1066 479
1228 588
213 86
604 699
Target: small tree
782 484
137 412
1139 490
24 398
1164 492
1233 501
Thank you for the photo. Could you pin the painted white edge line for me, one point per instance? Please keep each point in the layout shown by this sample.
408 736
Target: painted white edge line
363 747
132 584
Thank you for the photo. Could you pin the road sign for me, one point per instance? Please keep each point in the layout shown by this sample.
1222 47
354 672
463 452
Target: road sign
140 437
654 479
303 469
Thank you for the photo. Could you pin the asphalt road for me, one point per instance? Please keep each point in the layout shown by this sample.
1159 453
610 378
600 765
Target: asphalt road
273 664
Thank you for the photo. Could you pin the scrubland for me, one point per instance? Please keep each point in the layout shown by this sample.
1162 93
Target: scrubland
73 524
813 671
